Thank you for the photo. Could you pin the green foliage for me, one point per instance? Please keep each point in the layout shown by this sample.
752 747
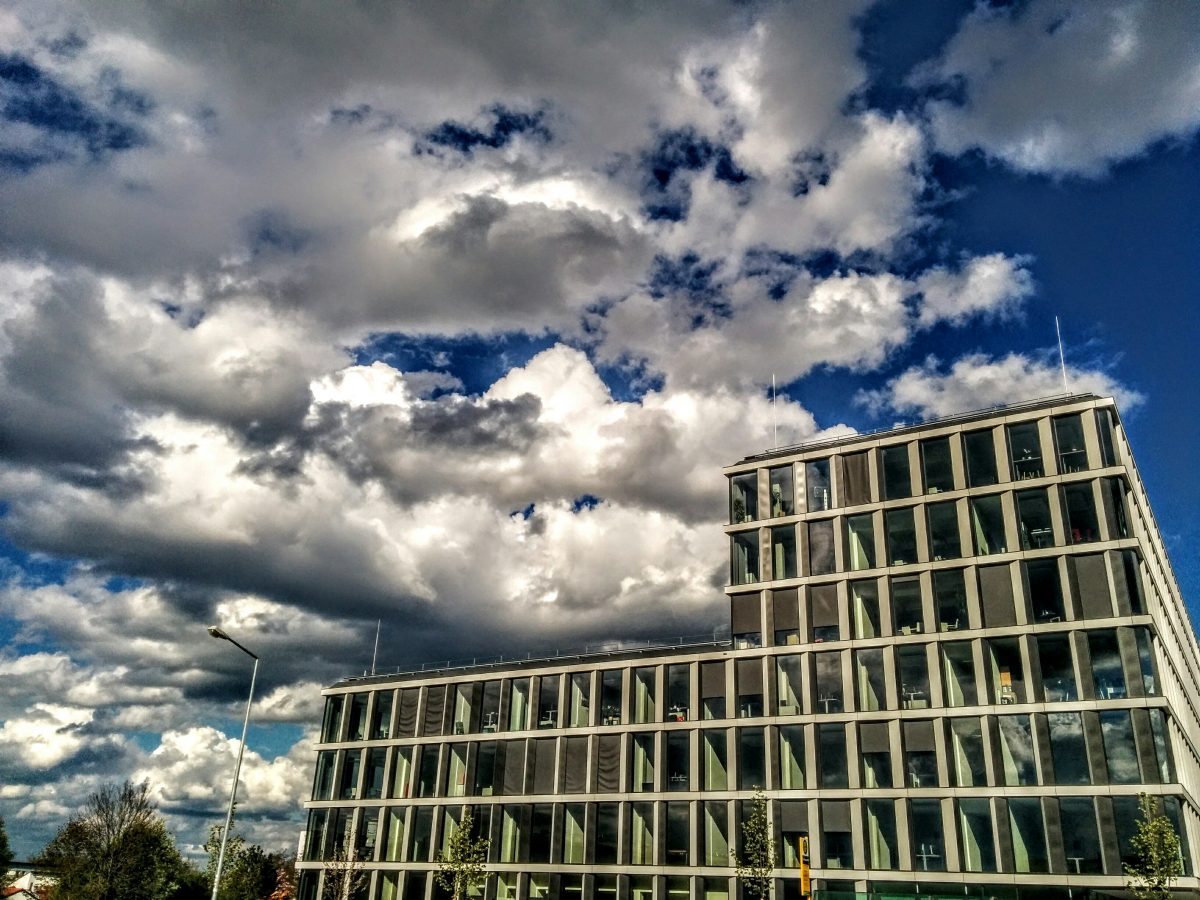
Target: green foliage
6 856
1159 859
116 848
344 875
756 857
462 865
249 872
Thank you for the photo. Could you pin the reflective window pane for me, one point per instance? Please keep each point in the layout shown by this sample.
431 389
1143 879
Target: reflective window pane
987 525
860 542
743 497
944 542
782 496
817 485
936 467
1068 440
980 451
901 536
1025 451
897 479
1033 518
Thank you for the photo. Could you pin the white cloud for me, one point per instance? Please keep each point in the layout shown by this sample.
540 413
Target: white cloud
977 381
1068 88
989 285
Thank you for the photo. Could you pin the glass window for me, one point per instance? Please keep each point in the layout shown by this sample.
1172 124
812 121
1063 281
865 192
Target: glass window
356 718
831 747
987 525
1033 514
376 762
610 697
427 771
1082 526
1162 750
860 542
869 680
323 782
824 612
712 690
541 825
966 740
752 760
897 480
975 832
865 597
394 840
785 616
1115 492
881 834
788 671
744 557
605 851
820 548
1067 749
944 542
643 762
874 744
1028 832
1104 426
1016 751
1045 590
401 770
348 783
783 552
793 821
936 465
836 837
641 834
783 501
487 774
748 684
716 832
332 718
997 596
913 671
381 716
1146 661
643 695
464 695
679 692
828 668
1008 674
901 536
958 666
1025 451
573 833
679 832
816 479
547 701
929 848
743 497
791 757
420 844
490 718
518 705
1120 751
678 761
581 700
1058 672
980 448
1081 837
950 599
907 605
857 470
1107 673
716 762
920 756
1068 441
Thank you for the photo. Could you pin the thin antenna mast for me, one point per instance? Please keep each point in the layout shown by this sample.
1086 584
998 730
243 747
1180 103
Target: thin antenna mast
1062 360
375 655
774 416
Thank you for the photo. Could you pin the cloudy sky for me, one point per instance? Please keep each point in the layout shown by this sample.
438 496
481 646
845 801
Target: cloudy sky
447 314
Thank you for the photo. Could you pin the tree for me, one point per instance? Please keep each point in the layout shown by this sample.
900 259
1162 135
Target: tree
462 865
755 859
249 872
6 855
116 848
344 875
1159 860
285 878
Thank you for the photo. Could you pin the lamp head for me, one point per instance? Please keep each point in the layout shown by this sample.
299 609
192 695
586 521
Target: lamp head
217 633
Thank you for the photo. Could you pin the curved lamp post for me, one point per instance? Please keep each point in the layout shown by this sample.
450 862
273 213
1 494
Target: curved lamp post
237 767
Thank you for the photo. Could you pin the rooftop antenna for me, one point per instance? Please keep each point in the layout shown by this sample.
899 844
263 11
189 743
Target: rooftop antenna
375 655
774 416
1062 360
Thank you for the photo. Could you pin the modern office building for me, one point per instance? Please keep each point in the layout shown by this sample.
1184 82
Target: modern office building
957 655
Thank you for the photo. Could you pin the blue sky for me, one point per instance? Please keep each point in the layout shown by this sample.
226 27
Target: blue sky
319 316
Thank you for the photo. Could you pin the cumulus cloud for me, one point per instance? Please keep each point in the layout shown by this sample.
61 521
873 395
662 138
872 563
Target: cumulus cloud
1065 88
978 381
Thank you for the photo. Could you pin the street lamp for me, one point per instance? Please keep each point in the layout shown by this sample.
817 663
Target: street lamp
237 767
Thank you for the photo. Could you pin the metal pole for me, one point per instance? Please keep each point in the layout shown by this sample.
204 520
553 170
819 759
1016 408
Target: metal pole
237 771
